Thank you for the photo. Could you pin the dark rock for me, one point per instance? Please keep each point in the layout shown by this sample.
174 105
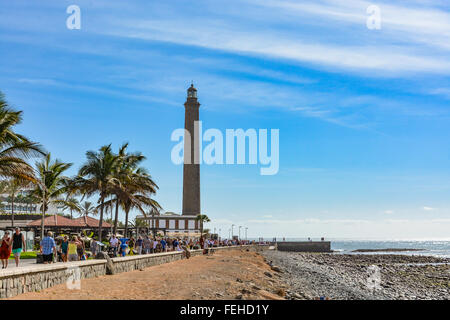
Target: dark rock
109 263
276 268
267 273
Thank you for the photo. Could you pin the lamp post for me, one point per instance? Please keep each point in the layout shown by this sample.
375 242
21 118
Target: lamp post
240 233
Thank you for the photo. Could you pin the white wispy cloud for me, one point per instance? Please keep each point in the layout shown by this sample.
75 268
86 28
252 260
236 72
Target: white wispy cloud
403 44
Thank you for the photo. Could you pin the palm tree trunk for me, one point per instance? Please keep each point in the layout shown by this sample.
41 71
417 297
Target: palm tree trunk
116 216
201 228
44 204
126 221
101 218
12 210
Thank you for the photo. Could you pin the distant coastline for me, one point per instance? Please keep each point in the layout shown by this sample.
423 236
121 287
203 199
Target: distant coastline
388 250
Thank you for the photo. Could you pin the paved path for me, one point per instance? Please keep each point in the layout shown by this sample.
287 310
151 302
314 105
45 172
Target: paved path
22 263
25 263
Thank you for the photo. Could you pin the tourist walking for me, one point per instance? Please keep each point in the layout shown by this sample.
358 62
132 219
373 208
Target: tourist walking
163 245
5 249
80 248
131 244
94 247
147 245
123 247
18 244
139 242
114 244
64 248
48 247
72 249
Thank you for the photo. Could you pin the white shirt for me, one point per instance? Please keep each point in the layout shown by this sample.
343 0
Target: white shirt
114 242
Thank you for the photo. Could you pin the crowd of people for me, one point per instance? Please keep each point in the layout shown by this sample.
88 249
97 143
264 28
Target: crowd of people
75 248
15 244
145 244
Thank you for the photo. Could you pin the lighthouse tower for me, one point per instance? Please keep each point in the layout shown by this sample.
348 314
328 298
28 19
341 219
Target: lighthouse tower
191 168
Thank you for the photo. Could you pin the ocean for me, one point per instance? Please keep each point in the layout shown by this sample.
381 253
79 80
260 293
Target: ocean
437 248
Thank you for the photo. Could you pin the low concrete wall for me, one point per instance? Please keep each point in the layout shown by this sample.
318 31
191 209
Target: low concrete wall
305 246
35 278
38 277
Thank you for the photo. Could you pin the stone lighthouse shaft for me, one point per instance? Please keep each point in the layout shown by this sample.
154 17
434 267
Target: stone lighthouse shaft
191 168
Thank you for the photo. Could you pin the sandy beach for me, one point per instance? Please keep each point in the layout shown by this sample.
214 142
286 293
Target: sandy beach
234 274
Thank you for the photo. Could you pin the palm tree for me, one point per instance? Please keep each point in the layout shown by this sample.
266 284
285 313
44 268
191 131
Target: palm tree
97 176
139 189
72 204
87 208
15 148
51 184
133 186
138 223
13 187
202 218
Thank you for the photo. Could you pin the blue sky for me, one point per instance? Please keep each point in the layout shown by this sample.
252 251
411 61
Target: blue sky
363 114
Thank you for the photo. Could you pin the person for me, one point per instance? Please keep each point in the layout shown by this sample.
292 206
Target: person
72 249
163 245
155 245
18 243
64 248
114 243
131 244
205 246
139 242
146 244
178 247
94 247
48 247
123 246
175 244
5 249
80 248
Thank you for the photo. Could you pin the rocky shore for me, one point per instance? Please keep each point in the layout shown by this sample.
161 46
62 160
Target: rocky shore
362 276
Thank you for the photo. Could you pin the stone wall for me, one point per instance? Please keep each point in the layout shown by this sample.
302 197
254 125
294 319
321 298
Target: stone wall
305 246
38 277
130 263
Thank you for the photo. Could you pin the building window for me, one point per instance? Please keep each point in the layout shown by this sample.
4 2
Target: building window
181 224
171 224
191 224
162 223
